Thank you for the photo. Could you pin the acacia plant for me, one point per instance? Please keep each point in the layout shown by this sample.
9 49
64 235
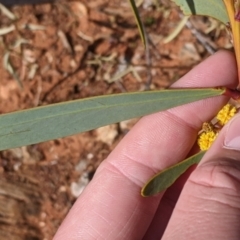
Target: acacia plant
40 124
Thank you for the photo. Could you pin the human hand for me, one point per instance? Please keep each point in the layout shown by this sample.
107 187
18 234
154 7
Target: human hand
111 206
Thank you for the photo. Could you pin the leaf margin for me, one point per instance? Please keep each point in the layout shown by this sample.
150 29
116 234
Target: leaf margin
35 125
139 22
150 188
219 5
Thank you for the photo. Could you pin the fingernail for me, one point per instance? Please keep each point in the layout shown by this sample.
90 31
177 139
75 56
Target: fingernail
232 136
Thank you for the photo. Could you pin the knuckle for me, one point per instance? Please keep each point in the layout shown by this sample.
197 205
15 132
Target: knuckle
218 180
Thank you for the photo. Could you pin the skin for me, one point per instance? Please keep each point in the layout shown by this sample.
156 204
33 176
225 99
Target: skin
207 207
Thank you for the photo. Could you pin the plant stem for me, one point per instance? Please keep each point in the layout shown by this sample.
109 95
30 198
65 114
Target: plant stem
232 93
233 10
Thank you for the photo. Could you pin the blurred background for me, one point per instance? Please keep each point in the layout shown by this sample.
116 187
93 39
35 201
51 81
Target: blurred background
65 50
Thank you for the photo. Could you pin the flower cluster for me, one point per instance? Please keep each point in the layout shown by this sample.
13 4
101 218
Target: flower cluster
226 113
209 132
207 137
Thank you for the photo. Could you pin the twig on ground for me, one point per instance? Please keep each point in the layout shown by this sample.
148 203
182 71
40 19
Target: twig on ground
148 62
202 38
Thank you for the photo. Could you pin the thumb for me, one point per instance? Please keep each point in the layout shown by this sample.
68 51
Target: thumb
209 205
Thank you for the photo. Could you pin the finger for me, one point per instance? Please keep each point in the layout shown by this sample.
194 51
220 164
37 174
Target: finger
209 206
111 206
170 198
165 208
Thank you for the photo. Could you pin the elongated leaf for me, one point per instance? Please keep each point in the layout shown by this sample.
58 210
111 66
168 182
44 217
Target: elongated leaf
138 20
161 181
64 119
212 8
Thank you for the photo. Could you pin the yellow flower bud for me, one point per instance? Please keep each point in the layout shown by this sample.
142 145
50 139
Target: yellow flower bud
226 113
205 140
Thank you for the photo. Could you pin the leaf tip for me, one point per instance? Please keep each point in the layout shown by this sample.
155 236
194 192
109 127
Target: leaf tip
152 187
